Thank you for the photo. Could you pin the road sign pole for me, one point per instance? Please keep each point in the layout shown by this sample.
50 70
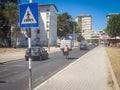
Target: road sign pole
28 19
30 1
30 66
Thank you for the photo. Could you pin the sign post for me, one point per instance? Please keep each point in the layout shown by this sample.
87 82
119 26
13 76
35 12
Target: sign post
28 19
29 46
30 65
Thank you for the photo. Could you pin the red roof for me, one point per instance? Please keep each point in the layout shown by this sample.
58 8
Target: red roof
105 37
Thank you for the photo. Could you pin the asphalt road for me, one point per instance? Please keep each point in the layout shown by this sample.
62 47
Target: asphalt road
14 75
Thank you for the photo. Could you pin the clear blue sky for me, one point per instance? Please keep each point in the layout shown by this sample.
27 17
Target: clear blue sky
98 9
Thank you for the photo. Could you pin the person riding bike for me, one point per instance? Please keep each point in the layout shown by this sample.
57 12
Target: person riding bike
66 51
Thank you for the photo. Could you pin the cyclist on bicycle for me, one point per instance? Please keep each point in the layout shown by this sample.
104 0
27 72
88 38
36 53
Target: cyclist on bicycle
66 51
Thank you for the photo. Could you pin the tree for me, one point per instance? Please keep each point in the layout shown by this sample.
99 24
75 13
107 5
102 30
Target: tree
113 26
4 29
11 13
64 24
77 28
1 22
6 1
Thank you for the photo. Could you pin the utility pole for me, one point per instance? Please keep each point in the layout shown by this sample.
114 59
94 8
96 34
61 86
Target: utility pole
73 35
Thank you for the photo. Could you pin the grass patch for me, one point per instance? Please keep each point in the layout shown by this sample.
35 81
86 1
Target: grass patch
114 56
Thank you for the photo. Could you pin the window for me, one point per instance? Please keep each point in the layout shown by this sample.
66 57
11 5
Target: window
47 24
26 38
47 9
47 16
38 31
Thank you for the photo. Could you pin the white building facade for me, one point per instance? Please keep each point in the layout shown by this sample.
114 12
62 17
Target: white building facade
46 32
85 23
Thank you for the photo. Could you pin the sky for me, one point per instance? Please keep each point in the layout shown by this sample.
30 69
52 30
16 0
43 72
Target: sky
98 9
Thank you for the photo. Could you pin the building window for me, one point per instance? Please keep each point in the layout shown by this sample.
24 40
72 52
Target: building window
26 38
47 30
47 24
47 9
38 31
47 16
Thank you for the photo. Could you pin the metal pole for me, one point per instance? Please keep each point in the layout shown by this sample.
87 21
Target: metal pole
30 67
30 1
73 34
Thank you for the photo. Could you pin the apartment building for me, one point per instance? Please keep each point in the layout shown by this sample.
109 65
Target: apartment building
46 32
85 23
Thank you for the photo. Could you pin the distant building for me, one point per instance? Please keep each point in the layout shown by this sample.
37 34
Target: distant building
46 33
85 24
97 34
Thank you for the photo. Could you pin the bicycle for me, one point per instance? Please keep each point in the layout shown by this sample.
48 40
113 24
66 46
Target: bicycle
66 54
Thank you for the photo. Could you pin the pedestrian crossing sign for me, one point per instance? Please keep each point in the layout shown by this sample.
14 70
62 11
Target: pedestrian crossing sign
28 15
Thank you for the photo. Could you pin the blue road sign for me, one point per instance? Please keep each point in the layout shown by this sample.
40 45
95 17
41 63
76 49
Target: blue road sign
71 36
28 15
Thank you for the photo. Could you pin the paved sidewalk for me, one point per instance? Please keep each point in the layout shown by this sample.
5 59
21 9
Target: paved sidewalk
89 72
5 57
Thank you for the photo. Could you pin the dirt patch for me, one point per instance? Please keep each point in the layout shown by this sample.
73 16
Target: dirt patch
11 50
114 56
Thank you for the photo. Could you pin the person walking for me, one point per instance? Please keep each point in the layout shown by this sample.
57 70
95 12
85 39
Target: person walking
66 51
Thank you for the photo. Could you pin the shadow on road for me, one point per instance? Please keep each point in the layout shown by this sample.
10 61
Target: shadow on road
2 81
72 58
1 63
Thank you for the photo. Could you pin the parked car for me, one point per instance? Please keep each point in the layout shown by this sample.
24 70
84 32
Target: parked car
84 45
37 53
